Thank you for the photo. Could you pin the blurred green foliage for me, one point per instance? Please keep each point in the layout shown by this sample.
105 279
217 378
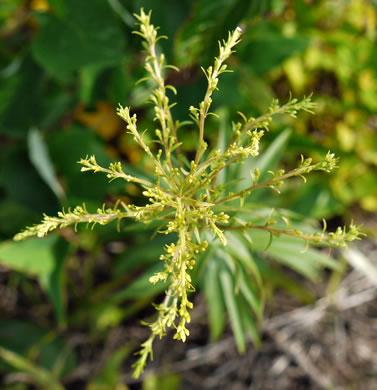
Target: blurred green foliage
66 64
339 66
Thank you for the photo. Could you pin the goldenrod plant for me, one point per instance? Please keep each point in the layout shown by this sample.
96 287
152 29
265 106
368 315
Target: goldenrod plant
189 198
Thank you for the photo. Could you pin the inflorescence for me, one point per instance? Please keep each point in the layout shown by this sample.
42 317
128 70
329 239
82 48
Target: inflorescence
187 198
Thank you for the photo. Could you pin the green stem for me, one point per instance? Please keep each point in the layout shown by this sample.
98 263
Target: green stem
295 172
315 238
254 123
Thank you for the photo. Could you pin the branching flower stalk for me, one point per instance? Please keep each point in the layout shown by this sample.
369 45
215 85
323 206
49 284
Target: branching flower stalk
187 199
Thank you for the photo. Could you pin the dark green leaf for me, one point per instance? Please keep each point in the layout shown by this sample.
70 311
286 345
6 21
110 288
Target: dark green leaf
81 36
141 254
142 287
22 183
14 216
22 100
66 148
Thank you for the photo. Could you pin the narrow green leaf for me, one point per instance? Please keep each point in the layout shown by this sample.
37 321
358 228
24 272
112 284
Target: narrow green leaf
249 323
240 249
38 154
271 156
250 295
243 283
296 261
88 77
288 250
231 303
215 301
266 161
